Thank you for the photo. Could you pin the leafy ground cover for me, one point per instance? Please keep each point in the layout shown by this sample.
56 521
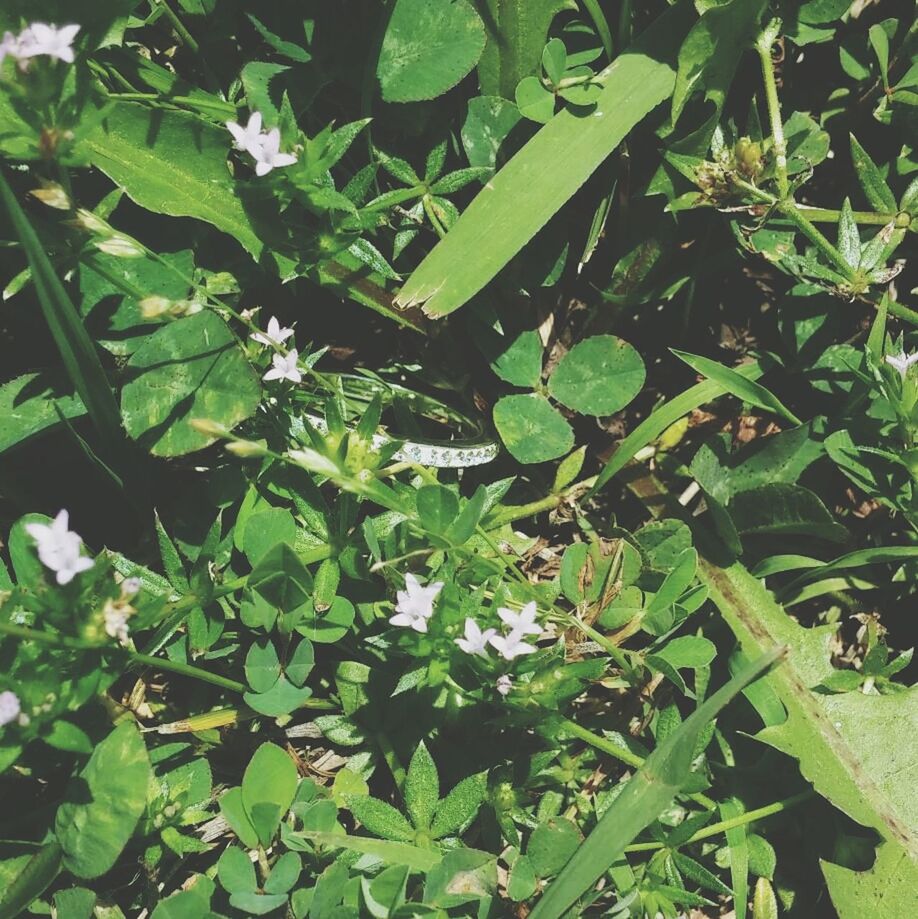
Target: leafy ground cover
458 458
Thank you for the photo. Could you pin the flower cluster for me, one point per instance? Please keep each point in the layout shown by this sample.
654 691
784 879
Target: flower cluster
283 366
59 548
10 707
38 39
262 146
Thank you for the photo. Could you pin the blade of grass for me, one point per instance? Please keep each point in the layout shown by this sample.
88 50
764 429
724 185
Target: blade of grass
738 385
667 414
71 338
643 799
537 182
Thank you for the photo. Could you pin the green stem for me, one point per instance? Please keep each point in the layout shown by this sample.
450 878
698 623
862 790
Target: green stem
177 24
620 753
722 826
225 109
763 45
868 218
789 209
147 660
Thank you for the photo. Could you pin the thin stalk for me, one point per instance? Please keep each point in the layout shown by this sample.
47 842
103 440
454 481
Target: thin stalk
763 46
146 660
224 108
790 210
868 218
722 826
620 753
177 24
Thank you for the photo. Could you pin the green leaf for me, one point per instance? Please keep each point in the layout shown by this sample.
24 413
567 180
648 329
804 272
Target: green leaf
651 789
520 363
885 889
301 662
76 348
459 807
554 60
531 428
437 508
739 857
533 186
265 529
598 376
517 30
551 845
522 882
74 903
268 787
534 101
32 880
879 41
781 509
737 384
422 788
710 53
849 240
381 819
233 811
877 192
236 871
262 666
282 579
190 369
284 873
31 404
429 46
281 698
104 803
487 125
396 853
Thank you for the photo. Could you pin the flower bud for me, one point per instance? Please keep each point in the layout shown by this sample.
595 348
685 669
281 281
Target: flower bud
87 220
152 308
120 247
52 195
247 449
208 428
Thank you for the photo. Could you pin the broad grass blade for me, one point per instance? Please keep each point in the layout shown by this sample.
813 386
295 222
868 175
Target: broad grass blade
536 183
644 798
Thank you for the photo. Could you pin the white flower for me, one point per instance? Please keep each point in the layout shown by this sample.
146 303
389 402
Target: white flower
275 335
415 604
115 616
475 641
130 587
9 45
248 138
41 38
285 367
503 685
267 155
510 646
523 622
902 361
59 548
10 707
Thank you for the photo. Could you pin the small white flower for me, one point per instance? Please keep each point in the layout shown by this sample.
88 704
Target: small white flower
415 604
510 646
275 334
59 548
10 707
115 616
268 156
41 38
120 247
9 45
475 641
130 587
902 361
248 138
503 685
523 622
285 367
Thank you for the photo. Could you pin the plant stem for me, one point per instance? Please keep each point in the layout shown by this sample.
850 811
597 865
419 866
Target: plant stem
146 660
225 109
763 45
620 753
740 820
177 24
868 218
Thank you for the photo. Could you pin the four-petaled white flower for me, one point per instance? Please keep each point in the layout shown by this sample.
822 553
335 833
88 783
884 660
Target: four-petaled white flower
275 334
268 156
415 604
475 641
902 361
249 137
10 707
130 587
41 38
503 685
285 367
523 622
510 646
59 548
